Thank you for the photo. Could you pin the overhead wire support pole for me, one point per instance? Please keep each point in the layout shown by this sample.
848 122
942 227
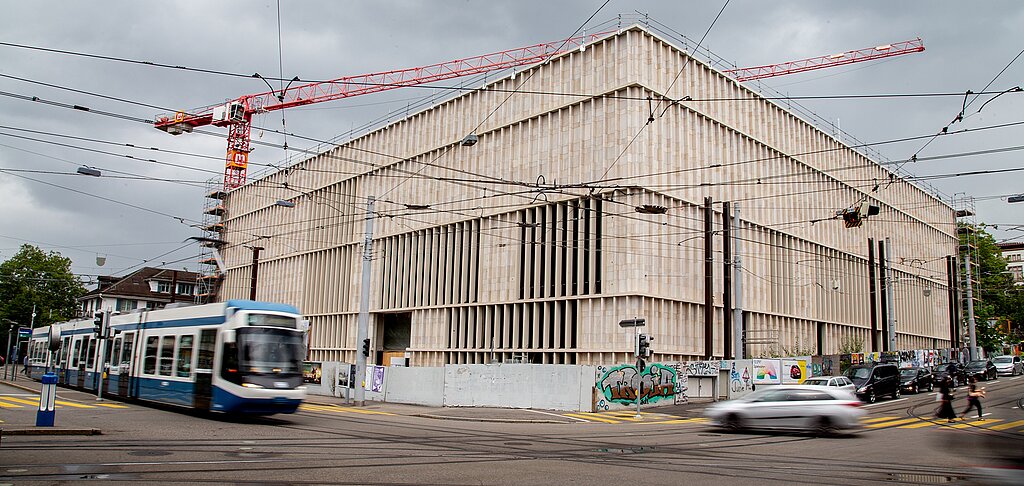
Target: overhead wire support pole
363 330
727 241
738 329
970 308
889 295
709 280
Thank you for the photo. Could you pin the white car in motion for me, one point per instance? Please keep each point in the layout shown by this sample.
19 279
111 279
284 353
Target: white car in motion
823 410
1008 365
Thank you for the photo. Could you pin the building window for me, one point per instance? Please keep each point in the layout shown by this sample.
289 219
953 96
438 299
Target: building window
186 289
163 287
126 305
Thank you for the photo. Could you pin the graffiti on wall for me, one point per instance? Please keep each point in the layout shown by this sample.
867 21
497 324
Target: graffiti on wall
702 368
622 384
739 380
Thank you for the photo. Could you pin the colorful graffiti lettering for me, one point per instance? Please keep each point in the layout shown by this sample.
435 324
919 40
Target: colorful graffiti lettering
622 384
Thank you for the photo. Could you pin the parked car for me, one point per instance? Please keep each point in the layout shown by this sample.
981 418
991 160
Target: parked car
1008 365
840 382
916 379
953 370
875 380
821 409
982 369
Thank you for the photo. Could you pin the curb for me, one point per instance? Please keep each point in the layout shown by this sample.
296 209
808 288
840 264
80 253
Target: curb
22 387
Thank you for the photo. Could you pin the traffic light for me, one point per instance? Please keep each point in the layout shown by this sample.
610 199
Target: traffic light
643 345
366 347
854 217
97 324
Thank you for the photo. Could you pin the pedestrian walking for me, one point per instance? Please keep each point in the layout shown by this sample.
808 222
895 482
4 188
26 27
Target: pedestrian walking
945 410
974 396
24 369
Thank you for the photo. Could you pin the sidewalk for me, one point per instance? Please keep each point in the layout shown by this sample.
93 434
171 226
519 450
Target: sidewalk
470 414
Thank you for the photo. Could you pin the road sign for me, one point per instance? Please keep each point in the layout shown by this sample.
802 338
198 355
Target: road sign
632 323
24 332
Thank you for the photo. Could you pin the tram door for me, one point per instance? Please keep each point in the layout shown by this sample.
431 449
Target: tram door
124 364
204 369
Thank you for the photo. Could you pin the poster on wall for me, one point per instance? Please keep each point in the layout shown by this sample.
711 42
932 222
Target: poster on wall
345 373
794 371
766 372
312 372
374 378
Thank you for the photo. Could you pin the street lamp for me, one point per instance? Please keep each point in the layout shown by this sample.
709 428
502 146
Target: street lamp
7 351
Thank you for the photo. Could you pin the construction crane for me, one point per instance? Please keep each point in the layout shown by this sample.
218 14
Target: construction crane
822 62
237 114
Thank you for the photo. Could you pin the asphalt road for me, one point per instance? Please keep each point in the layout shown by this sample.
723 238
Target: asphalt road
343 445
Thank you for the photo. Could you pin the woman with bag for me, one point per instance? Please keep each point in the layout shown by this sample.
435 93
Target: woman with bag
946 396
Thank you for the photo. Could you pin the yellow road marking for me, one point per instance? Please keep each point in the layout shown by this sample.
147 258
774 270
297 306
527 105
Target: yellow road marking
23 401
974 423
590 416
1007 425
111 405
892 423
924 423
4 404
876 419
681 421
70 404
334 408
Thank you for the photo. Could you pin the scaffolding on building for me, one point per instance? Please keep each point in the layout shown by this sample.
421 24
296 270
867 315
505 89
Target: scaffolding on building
211 275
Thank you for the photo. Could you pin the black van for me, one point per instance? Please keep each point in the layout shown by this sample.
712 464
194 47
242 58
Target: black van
875 380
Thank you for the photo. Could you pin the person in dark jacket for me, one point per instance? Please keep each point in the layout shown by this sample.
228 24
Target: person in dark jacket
974 396
946 397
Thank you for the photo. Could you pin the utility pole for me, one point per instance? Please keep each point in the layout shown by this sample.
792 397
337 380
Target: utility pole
726 281
364 308
889 296
970 308
737 310
709 281
255 271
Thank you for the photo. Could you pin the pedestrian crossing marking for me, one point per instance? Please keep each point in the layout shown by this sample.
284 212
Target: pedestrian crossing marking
591 416
973 423
924 423
892 423
876 419
1007 425
4 404
23 401
334 408
693 420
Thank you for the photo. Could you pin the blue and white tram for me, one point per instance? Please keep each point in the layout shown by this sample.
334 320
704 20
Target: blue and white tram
238 356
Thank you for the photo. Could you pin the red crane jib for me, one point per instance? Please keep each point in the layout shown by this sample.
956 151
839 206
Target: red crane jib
349 86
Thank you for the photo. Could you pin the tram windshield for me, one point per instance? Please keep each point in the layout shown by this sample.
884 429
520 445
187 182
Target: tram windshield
270 351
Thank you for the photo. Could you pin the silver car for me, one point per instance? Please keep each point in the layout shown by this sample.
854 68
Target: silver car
1008 365
823 410
840 382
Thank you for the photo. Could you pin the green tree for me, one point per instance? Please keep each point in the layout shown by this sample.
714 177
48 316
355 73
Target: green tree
996 299
34 277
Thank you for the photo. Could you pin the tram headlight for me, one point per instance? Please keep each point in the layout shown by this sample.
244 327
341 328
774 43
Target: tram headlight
251 385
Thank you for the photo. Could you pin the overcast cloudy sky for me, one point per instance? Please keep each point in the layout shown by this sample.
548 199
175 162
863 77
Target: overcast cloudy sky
130 221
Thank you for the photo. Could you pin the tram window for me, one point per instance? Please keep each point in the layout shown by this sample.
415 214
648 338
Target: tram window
126 351
229 363
184 367
117 352
207 344
149 366
88 353
64 348
167 355
75 354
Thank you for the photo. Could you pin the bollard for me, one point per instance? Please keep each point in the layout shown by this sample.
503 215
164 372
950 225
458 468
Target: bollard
47 399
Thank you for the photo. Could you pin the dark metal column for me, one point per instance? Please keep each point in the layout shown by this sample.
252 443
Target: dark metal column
883 303
873 294
709 281
727 281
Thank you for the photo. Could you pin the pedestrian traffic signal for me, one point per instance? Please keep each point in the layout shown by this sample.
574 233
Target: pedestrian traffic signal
366 347
97 324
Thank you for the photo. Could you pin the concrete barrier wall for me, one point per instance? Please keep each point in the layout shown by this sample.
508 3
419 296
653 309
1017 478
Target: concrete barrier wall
416 386
551 387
